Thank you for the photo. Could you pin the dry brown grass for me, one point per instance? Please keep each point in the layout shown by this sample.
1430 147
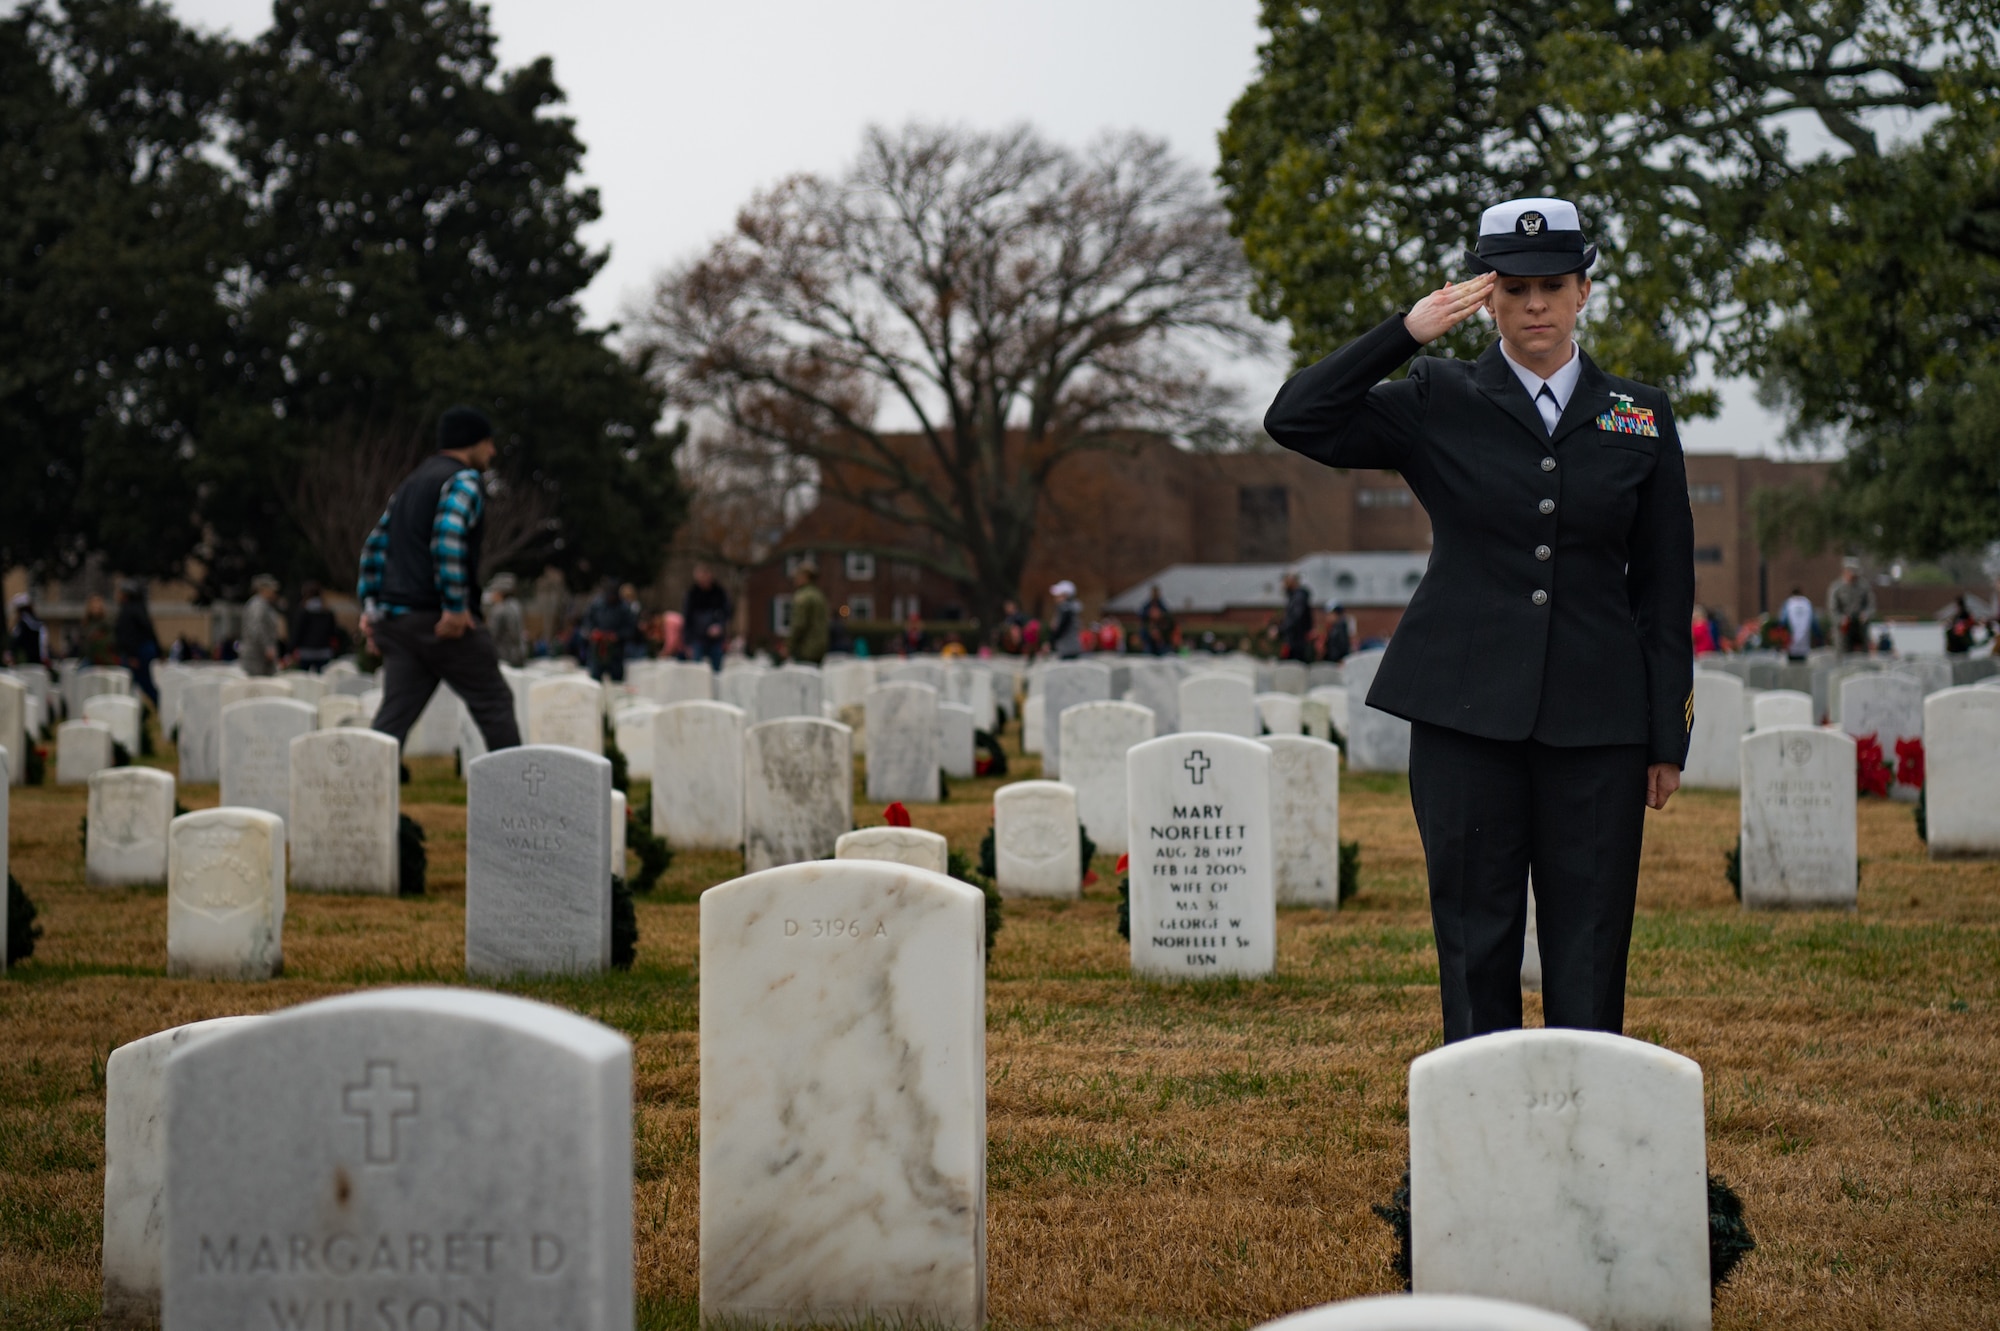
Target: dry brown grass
1199 1156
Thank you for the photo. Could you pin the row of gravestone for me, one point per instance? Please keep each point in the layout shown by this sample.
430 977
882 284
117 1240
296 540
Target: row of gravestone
452 1158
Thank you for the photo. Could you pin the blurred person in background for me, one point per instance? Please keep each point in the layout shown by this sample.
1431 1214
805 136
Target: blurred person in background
28 643
705 617
505 622
263 627
315 632
94 642
1066 630
138 645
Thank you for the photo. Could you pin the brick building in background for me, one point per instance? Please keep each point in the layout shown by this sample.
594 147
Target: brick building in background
1114 522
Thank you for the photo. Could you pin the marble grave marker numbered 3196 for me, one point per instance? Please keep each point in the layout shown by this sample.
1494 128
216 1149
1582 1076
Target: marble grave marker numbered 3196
843 1097
1203 899
407 1158
537 862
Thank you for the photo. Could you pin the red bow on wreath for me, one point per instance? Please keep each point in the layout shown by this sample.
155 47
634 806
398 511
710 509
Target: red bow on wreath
1910 763
1871 773
896 815
1124 863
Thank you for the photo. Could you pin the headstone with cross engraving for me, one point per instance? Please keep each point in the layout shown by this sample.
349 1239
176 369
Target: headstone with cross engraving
346 803
226 895
128 811
537 862
1566 1170
1202 894
843 1098
401 1158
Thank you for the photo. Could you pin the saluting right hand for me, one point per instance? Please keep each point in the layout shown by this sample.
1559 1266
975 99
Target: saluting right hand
1447 307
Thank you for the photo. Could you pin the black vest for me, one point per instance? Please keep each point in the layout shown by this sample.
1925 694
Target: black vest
409 578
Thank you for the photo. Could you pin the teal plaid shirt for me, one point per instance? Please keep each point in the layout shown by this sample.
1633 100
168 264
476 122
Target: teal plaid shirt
458 509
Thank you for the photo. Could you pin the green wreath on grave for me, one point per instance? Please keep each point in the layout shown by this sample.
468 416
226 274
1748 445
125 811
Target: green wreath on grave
412 860
651 848
1729 1236
620 778
22 931
957 865
1350 871
624 926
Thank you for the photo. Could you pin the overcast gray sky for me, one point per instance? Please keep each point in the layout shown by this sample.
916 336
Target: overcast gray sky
689 106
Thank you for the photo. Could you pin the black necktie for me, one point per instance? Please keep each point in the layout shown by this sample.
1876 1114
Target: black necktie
1550 395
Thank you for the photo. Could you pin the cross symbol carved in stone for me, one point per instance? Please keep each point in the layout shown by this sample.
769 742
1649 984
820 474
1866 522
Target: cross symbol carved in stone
381 1101
1197 765
534 776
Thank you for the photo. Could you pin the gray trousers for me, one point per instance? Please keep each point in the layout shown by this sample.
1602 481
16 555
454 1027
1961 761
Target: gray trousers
415 660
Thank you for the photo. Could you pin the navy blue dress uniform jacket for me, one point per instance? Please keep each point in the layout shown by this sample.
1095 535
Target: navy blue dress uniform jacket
1561 578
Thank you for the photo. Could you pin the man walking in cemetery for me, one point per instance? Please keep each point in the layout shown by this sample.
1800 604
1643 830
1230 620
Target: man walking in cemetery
94 643
1850 607
504 621
807 641
1338 643
705 617
138 644
1295 627
263 627
1544 664
419 570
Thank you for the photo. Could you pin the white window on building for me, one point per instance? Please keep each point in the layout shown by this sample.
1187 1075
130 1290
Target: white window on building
781 613
903 607
1382 498
860 566
1704 494
861 607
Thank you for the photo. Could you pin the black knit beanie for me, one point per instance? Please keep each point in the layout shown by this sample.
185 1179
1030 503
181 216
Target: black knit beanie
462 427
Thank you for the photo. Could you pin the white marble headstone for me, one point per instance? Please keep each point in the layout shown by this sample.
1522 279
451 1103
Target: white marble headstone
899 845
1281 713
338 709
436 730
798 790
199 739
537 862
1889 707
1202 897
843 1098
793 690
1334 697
1424 1312
1782 707
1034 717
135 1171
122 712
1562 1169
1097 736
632 728
1064 685
257 740
929 673
96 681
1289 677
1305 820
82 748
567 710
901 737
737 686
958 754
680 681
1376 741
1221 703
129 810
1798 819
1156 684
847 683
698 775
403 1158
13 721
226 895
1713 762
1036 849
346 809
1962 773
238 688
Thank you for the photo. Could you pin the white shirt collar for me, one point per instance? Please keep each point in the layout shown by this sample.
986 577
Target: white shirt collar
1562 383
